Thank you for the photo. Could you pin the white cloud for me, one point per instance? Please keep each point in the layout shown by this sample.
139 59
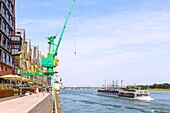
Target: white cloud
114 40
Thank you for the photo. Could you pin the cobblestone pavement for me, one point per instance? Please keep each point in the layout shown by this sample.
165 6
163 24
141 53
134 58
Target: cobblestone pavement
44 106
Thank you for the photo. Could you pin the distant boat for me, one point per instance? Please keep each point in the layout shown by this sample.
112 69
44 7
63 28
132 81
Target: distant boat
128 93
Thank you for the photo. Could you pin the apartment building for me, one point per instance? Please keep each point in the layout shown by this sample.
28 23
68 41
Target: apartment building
29 54
19 50
16 44
7 30
35 62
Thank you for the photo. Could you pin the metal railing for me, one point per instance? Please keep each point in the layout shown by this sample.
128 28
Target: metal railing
57 108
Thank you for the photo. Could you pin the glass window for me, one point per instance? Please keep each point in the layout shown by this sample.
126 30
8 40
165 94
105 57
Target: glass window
4 43
11 8
3 27
0 68
16 45
8 31
11 61
8 3
0 54
23 67
3 12
0 38
4 1
12 45
8 45
7 59
11 22
0 17
8 17
3 57
18 33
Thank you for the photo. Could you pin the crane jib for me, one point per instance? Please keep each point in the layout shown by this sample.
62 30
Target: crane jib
50 61
64 27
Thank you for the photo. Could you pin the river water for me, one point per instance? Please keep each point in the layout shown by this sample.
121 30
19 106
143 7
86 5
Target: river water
88 101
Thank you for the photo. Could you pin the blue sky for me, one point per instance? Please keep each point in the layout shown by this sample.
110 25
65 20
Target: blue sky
115 39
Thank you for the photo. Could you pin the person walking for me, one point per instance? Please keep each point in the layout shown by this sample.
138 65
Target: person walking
37 91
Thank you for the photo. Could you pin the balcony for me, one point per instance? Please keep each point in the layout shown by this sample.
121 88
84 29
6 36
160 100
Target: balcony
16 43
16 38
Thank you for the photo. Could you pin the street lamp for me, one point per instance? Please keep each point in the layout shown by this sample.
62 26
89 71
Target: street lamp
21 59
34 64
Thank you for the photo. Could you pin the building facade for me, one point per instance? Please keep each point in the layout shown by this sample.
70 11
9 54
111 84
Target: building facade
7 30
17 45
36 60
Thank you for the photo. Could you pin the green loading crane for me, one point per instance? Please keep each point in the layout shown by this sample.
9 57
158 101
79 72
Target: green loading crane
50 61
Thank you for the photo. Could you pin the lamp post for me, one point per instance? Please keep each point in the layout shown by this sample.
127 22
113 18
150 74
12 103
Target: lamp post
34 66
22 59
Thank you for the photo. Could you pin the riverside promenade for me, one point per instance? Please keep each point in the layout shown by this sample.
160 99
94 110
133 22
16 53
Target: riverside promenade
26 104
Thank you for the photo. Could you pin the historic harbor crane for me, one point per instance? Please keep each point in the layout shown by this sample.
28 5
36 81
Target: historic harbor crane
51 60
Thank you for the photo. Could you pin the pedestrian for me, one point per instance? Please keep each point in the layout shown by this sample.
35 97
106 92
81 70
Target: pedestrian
43 91
37 91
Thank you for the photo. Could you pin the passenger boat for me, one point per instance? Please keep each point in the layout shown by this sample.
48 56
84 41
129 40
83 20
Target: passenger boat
127 93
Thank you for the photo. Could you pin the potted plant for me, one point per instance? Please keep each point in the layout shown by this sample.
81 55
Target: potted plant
16 91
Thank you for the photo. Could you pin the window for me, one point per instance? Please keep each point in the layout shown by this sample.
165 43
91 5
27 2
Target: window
3 57
8 17
16 45
4 1
0 38
8 61
8 31
12 45
11 22
11 61
0 54
16 70
16 63
8 3
4 43
3 12
11 8
1 68
8 45
23 67
0 17
3 27
34 52
18 33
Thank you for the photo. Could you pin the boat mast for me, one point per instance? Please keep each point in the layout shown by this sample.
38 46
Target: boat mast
105 83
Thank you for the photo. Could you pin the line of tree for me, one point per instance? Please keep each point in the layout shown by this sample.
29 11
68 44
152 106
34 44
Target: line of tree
163 86
160 86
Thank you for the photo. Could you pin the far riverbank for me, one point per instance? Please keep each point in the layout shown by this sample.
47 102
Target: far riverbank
157 89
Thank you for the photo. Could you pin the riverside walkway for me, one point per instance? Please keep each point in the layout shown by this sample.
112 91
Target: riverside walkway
26 104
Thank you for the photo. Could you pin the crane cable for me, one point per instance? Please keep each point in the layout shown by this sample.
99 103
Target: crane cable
60 27
75 52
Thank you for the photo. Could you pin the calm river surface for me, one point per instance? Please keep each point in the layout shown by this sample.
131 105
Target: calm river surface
88 101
